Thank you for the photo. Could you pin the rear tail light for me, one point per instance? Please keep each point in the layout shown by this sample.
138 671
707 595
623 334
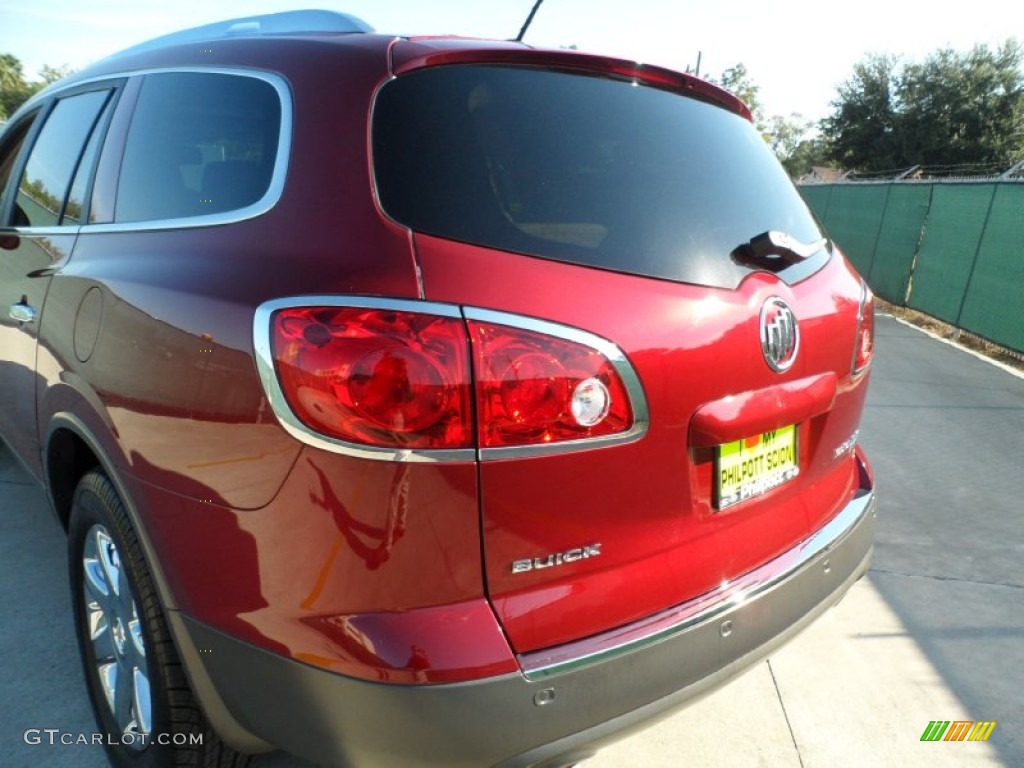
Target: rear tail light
403 375
864 346
534 388
384 378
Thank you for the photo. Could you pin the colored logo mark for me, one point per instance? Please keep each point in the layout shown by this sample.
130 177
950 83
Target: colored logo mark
958 730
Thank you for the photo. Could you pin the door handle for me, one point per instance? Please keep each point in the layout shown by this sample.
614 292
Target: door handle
23 313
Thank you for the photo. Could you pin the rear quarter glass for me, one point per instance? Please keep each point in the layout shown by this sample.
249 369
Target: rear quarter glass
200 143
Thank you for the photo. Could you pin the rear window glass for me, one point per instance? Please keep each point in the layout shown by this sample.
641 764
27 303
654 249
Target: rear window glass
583 169
199 143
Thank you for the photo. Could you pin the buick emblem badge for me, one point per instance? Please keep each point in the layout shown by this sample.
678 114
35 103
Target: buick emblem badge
780 335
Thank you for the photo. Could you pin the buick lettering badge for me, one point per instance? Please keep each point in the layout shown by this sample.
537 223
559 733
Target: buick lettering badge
780 335
556 559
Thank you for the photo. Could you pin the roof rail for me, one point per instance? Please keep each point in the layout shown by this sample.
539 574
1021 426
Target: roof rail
286 23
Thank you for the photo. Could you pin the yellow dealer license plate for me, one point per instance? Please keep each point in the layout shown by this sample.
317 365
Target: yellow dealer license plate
750 467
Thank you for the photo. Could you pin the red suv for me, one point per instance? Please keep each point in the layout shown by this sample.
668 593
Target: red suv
418 400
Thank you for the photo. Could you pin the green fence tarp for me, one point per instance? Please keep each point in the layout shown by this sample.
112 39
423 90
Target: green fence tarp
853 218
952 250
955 223
994 305
902 224
817 196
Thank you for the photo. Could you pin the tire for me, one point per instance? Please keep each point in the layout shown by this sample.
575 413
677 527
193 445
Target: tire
140 695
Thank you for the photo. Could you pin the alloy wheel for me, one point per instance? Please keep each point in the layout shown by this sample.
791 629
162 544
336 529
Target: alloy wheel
115 632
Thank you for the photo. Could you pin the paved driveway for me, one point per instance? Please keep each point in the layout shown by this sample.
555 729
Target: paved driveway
935 631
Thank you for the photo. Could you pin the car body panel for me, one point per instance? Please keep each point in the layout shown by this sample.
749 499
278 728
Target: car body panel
27 264
662 540
562 718
194 419
369 569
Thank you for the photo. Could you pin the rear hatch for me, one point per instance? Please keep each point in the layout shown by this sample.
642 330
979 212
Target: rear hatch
563 193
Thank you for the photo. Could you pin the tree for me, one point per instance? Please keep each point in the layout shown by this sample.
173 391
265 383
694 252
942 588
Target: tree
787 136
50 74
807 154
962 109
737 80
953 109
795 143
784 134
862 132
13 87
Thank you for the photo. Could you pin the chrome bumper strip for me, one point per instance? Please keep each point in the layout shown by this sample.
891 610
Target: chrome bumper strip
693 613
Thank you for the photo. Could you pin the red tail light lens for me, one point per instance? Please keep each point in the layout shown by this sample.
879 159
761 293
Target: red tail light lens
865 343
533 389
397 374
379 377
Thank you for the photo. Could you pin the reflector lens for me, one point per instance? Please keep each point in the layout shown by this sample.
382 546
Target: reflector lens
591 402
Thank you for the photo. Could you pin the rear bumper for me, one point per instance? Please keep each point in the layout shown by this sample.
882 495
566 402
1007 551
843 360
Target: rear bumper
567 701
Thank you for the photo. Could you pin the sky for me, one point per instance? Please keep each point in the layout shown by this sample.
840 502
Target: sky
796 51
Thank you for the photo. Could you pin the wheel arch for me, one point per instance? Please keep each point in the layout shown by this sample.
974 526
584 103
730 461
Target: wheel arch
71 450
66 460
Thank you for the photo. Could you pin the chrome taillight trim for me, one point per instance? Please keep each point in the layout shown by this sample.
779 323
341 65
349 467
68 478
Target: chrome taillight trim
865 300
290 422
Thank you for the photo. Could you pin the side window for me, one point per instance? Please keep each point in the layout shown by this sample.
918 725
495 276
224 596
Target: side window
55 157
9 154
79 185
199 143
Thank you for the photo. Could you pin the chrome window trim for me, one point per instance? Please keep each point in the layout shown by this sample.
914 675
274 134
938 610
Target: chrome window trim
277 179
51 230
262 346
615 356
688 616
